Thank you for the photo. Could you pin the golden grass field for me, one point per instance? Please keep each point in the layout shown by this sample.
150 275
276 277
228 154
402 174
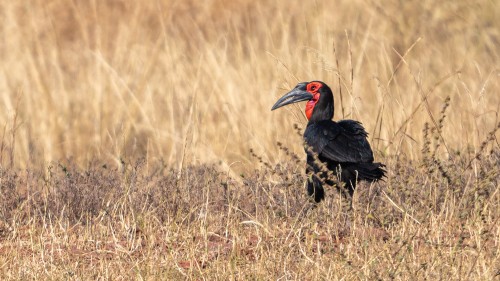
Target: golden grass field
138 141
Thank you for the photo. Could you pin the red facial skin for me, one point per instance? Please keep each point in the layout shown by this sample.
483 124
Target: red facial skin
312 88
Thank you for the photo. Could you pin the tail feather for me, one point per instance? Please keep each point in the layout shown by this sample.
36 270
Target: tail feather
353 173
369 171
348 173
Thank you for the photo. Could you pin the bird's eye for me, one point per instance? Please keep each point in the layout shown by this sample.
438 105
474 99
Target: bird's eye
313 88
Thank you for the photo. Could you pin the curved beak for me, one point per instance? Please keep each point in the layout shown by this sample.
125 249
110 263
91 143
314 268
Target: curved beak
295 95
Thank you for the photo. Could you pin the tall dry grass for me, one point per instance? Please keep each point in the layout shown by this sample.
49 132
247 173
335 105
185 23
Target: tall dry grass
138 141
192 82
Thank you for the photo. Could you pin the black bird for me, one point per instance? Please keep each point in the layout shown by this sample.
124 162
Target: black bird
339 147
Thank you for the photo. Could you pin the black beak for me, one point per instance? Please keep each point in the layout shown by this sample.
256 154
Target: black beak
299 93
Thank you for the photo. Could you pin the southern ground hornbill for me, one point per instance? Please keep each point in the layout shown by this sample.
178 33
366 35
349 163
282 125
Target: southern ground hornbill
333 148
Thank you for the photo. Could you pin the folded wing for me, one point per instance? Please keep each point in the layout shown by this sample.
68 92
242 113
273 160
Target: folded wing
343 142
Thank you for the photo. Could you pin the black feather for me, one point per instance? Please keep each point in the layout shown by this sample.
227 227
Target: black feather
334 149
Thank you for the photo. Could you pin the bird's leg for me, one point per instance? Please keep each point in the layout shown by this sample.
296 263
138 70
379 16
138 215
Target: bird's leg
346 188
314 188
314 185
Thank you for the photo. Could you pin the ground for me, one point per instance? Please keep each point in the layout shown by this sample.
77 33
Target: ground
140 223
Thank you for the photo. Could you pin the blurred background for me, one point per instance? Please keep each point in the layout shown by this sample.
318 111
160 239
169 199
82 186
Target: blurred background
193 81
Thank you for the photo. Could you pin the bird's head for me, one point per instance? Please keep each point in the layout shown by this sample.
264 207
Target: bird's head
319 97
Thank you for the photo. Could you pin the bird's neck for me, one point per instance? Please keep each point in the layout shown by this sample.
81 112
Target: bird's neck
319 111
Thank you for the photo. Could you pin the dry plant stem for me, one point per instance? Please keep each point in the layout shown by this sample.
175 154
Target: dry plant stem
399 208
340 84
424 98
350 60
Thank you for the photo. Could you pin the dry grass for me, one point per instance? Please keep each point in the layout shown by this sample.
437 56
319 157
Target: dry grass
127 129
179 80
103 223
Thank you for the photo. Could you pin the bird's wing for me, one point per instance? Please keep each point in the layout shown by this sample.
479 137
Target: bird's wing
343 141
